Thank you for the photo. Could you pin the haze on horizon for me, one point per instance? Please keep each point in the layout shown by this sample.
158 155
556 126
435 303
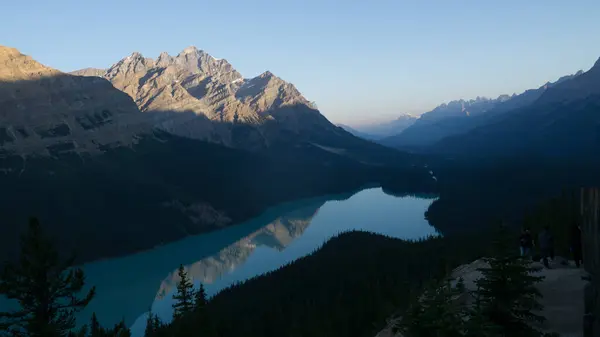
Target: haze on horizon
360 62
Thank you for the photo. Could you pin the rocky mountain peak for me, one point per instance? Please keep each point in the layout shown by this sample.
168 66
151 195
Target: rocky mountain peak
405 116
504 98
595 69
267 74
267 91
191 50
132 64
7 54
194 81
89 72
15 66
574 87
195 61
164 59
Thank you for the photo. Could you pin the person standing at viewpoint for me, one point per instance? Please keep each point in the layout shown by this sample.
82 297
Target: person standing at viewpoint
526 242
576 247
546 241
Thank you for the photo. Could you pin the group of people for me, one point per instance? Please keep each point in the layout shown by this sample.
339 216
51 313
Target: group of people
546 244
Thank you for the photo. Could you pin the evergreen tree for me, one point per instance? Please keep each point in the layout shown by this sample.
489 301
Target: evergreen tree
120 330
185 295
95 329
477 323
149 331
153 324
156 323
200 298
436 313
507 291
45 287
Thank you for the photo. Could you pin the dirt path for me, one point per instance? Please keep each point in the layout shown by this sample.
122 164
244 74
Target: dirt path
562 289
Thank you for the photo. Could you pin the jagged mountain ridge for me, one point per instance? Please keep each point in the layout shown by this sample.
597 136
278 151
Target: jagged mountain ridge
563 123
384 129
209 92
197 96
461 116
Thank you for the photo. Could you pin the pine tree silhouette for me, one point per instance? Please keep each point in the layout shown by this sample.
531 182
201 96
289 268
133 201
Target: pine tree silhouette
507 289
95 328
200 298
45 287
185 295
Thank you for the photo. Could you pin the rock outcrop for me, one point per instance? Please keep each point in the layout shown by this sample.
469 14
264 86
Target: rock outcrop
44 111
561 289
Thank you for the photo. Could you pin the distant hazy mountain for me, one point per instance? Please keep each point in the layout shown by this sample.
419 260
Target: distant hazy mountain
564 122
461 116
358 133
384 129
89 72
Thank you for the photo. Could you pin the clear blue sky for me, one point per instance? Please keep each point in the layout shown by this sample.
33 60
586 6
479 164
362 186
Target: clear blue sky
359 60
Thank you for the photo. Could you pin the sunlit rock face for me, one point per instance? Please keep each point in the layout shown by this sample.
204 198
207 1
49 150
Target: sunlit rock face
196 95
46 112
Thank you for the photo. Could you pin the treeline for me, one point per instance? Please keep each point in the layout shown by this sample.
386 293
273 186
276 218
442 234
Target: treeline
475 193
349 287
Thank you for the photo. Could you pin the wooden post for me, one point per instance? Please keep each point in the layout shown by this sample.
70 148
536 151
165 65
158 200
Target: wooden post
590 229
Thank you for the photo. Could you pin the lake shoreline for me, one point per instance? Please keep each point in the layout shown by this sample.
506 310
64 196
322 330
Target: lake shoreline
221 258
278 206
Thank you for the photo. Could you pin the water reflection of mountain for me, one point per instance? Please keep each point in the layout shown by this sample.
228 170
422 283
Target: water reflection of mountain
138 277
278 234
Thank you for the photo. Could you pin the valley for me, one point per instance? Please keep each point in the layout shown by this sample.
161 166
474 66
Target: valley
114 176
265 243
155 191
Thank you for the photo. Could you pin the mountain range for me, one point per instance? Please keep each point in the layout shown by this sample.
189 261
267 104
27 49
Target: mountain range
148 151
194 84
562 124
460 116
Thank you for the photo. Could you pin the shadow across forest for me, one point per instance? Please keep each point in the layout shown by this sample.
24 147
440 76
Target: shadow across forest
164 186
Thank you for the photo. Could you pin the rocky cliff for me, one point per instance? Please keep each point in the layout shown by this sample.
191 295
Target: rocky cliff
196 95
44 111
